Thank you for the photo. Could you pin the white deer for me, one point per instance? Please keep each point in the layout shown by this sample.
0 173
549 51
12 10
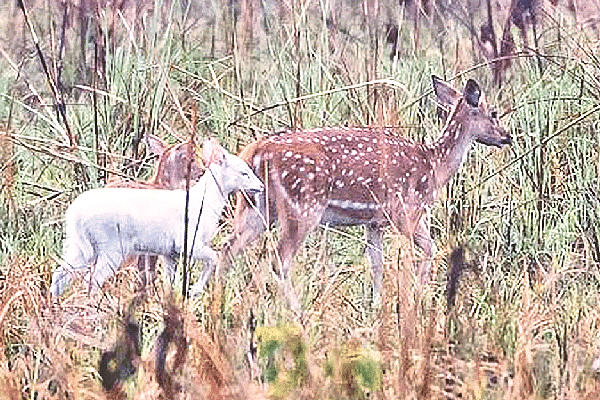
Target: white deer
104 226
174 164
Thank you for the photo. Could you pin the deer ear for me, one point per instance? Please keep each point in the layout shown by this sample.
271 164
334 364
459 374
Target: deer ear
155 144
212 152
446 94
472 93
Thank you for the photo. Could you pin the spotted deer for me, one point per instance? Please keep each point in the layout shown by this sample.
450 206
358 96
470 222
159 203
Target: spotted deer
360 176
171 173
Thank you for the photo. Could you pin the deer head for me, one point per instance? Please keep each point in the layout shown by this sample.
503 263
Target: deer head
173 163
234 173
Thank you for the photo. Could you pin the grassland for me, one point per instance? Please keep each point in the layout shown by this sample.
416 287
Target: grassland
525 324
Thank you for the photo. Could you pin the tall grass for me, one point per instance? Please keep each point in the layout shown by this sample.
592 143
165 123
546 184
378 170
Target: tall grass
525 324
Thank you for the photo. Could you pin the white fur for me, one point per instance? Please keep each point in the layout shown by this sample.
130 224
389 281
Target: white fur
104 226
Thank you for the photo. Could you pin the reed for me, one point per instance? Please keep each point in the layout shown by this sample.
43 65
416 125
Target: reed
526 306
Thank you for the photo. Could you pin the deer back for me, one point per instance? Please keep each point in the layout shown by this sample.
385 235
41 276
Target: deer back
351 175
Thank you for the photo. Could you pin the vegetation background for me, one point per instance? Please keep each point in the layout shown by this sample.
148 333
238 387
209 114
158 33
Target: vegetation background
525 323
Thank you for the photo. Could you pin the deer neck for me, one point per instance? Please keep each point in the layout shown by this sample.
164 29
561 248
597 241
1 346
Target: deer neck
450 150
206 202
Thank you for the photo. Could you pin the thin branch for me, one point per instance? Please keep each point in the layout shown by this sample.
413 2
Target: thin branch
60 104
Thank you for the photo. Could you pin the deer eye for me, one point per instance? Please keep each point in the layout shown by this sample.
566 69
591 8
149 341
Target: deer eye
494 114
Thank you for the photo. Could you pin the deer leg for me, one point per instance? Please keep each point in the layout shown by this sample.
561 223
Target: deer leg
106 265
293 233
422 238
374 236
75 259
210 256
171 263
147 269
248 225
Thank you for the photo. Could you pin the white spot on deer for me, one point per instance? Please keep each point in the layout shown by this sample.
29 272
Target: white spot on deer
367 162
284 174
338 203
289 141
369 149
394 161
339 184
360 145
359 206
424 178
301 169
288 154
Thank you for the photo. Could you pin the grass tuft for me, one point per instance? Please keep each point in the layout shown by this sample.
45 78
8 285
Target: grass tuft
523 320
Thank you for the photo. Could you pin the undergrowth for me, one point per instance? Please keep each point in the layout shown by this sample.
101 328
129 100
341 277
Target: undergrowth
525 322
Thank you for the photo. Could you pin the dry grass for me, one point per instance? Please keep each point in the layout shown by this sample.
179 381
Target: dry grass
525 321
